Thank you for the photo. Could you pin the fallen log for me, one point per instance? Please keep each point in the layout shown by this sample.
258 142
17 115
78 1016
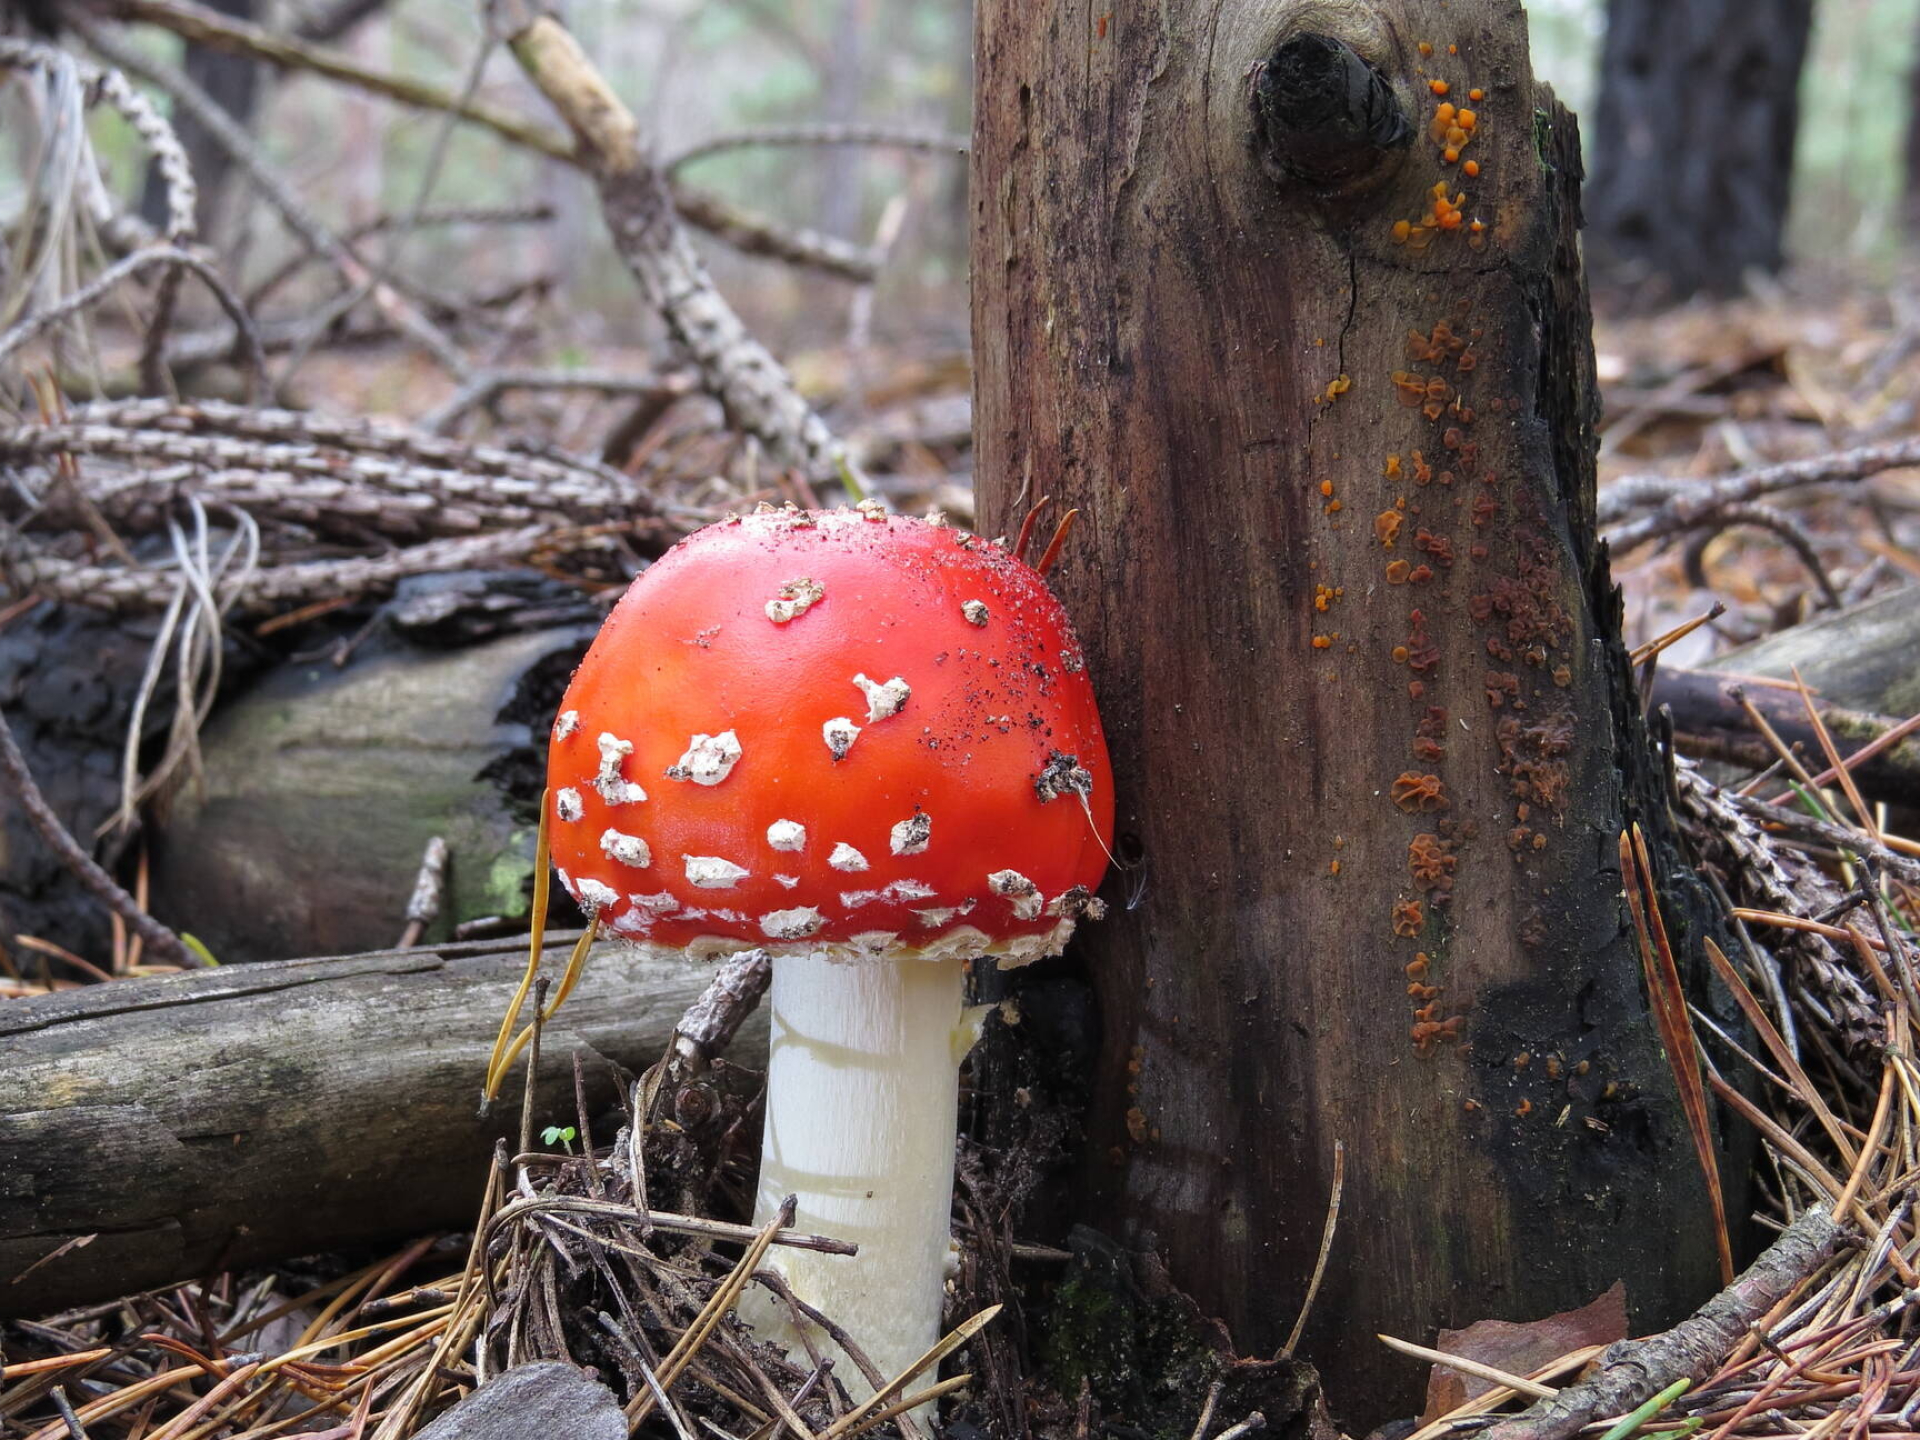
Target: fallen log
1861 657
162 1130
1710 723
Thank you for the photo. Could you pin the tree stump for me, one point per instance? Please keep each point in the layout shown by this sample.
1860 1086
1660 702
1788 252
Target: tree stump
1311 354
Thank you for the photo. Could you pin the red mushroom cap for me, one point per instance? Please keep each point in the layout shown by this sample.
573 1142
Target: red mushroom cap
839 731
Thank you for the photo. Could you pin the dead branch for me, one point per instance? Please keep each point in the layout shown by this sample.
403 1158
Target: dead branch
1710 723
330 475
231 137
27 568
753 234
489 385
1709 526
341 1092
1631 1371
169 155
203 26
875 137
1682 502
758 395
1842 837
246 336
708 1027
164 946
438 217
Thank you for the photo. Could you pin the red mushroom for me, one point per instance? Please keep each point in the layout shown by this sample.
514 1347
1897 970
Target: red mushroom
865 744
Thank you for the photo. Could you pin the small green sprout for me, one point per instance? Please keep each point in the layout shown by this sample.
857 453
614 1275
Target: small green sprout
559 1135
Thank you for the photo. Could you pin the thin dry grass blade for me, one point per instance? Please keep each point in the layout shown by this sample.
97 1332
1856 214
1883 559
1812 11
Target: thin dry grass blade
576 963
1327 1232
1804 1089
1676 1032
497 1062
1519 1384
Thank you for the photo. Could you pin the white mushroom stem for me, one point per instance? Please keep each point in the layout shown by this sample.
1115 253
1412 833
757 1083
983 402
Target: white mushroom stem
862 1105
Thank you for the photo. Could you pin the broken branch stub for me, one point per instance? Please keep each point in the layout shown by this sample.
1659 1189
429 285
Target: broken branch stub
1325 117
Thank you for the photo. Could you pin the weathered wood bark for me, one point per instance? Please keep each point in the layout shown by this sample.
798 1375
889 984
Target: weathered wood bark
249 1113
323 786
1861 657
1337 574
1692 142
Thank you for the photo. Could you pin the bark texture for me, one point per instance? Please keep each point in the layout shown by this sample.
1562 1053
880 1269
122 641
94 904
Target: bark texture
1358 652
232 1116
1692 144
321 788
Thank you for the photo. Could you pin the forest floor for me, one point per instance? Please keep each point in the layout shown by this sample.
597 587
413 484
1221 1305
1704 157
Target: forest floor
1759 466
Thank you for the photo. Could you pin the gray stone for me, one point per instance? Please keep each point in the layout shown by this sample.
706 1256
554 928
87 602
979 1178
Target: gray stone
545 1398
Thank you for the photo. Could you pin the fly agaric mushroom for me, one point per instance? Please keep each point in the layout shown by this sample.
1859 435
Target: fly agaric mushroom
865 744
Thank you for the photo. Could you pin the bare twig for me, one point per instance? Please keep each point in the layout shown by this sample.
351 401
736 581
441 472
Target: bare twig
429 890
1843 837
161 942
1681 500
487 386
207 27
1764 517
36 325
1327 1232
170 161
344 476
723 1007
225 131
877 137
755 235
440 216
271 587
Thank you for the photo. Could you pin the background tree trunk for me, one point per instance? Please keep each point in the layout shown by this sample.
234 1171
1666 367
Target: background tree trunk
1910 156
234 81
1692 144
1337 575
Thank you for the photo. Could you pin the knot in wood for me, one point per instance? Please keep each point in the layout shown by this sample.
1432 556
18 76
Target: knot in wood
1325 118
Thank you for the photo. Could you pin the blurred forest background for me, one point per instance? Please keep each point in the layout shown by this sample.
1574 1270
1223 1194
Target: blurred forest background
383 404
